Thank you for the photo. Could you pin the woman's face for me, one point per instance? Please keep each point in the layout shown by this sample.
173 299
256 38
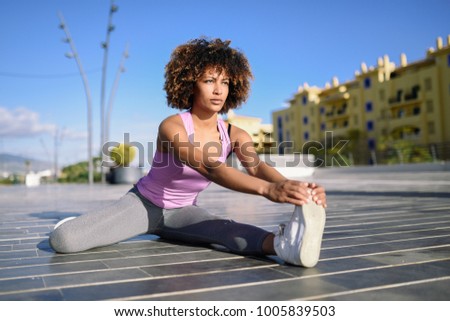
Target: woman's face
211 90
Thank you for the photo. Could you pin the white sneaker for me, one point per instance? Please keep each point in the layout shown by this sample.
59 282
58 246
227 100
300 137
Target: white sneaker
299 241
63 221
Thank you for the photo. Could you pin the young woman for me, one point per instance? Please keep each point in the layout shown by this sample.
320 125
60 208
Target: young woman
204 78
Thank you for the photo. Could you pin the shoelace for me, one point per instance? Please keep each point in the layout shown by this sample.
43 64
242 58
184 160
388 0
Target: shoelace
281 228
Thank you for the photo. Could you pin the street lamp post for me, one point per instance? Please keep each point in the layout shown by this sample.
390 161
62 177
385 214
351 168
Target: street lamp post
74 54
58 137
105 46
120 70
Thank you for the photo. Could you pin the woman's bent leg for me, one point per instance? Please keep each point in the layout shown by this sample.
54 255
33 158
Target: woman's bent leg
196 225
124 219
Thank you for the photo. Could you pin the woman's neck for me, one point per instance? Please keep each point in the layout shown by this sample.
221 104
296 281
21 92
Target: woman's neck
204 119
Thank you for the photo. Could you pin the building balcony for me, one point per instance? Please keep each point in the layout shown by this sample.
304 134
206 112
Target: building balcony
408 120
408 100
339 132
337 116
339 128
337 112
411 97
341 96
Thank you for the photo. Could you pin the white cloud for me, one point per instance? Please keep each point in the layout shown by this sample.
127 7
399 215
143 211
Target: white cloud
71 134
22 122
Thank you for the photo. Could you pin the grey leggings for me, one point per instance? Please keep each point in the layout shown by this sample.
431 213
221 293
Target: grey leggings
134 215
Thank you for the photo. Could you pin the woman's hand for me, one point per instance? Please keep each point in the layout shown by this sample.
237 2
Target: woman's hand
296 192
318 194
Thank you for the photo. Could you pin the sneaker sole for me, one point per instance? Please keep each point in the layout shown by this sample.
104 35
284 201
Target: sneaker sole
63 221
314 218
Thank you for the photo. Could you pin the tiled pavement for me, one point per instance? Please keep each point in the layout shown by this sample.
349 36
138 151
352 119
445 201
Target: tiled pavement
387 237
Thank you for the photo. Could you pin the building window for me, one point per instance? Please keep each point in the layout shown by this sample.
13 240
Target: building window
305 120
430 107
367 82
416 111
322 126
370 125
428 84
306 135
280 128
322 110
369 106
448 60
371 143
304 100
431 129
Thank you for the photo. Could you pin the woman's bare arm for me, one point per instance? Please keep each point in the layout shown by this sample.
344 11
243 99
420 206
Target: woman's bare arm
246 153
172 137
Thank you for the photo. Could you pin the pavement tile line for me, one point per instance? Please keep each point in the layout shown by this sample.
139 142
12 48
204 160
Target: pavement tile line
387 233
377 221
149 278
91 252
118 269
371 289
384 227
232 270
385 252
328 232
330 225
334 215
106 259
271 282
384 242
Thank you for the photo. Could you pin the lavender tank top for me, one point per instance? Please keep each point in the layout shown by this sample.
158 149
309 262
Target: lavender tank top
170 183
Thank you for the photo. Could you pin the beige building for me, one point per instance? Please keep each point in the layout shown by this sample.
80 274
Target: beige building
382 105
261 133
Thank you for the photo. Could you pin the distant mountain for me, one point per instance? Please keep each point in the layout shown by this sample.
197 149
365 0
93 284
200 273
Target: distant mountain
17 164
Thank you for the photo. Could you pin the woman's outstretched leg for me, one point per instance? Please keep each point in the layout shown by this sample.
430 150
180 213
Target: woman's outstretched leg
124 219
196 225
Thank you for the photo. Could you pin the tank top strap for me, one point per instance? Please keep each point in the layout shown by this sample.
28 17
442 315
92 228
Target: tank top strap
186 117
224 137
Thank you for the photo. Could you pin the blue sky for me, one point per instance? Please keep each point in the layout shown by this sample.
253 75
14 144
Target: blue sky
288 42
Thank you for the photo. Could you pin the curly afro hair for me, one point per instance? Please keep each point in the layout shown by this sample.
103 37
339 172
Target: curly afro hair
189 61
